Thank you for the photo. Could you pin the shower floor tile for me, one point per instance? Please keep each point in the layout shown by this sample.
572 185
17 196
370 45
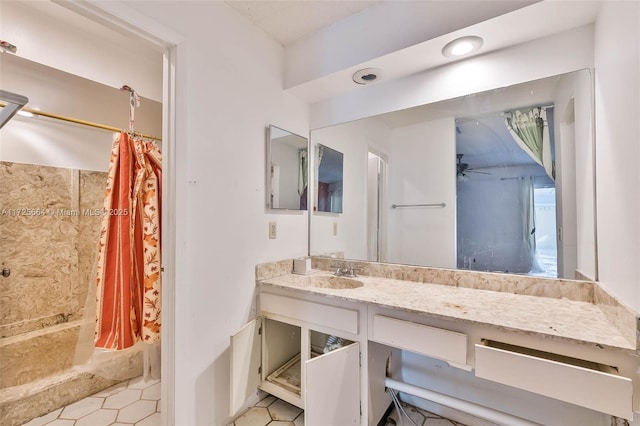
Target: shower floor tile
135 402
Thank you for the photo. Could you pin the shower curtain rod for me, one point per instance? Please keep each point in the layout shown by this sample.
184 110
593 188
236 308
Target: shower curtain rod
82 122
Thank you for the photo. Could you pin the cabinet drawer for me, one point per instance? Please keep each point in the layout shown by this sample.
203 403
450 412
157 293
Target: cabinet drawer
579 382
315 313
433 342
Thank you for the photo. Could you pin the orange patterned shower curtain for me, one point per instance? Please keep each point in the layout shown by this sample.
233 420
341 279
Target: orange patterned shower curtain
128 296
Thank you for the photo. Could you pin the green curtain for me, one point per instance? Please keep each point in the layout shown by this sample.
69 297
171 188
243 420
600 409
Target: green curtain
302 170
530 131
318 160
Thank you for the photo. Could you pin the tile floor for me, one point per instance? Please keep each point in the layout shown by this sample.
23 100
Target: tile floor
419 417
275 412
134 402
137 402
271 411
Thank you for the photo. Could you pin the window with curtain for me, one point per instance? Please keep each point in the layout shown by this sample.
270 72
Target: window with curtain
530 130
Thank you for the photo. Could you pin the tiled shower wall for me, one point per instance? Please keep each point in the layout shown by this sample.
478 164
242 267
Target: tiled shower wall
49 223
50 249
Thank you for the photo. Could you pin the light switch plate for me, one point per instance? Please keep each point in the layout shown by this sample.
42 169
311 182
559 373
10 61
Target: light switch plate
335 228
273 230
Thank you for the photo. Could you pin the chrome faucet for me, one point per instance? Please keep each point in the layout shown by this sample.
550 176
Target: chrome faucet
345 270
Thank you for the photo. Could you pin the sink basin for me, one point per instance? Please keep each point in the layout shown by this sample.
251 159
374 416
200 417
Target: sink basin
338 283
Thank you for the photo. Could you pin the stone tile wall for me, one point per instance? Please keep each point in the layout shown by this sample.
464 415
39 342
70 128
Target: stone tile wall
49 242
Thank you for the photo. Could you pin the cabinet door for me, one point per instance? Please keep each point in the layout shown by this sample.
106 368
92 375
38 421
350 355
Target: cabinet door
246 358
332 388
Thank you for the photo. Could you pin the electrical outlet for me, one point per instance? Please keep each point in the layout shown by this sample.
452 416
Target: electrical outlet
273 230
335 228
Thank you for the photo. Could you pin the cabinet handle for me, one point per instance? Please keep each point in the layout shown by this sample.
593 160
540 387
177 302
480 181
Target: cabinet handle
6 272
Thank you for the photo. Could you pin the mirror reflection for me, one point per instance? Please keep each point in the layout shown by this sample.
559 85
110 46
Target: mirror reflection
499 181
286 170
329 179
505 212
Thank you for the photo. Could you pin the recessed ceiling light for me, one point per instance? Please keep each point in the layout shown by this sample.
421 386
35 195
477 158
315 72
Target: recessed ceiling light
367 76
462 46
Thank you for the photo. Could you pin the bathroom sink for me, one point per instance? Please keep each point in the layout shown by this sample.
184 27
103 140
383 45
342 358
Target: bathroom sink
338 283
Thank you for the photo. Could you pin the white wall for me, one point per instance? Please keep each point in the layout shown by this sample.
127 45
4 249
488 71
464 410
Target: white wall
422 170
224 106
42 33
617 101
573 118
587 258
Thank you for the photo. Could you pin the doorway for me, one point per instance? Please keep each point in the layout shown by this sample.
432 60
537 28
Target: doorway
112 18
376 219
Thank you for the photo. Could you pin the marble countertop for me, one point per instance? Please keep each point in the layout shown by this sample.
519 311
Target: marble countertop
552 318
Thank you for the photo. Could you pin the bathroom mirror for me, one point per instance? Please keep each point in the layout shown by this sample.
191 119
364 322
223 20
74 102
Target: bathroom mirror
286 170
446 185
329 179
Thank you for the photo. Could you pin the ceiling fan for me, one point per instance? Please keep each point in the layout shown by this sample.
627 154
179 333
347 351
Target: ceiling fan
463 168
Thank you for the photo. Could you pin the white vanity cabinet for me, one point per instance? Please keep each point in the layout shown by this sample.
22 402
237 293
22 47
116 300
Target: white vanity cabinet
281 353
404 336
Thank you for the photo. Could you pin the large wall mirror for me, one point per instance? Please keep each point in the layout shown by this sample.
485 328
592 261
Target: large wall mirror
499 181
287 175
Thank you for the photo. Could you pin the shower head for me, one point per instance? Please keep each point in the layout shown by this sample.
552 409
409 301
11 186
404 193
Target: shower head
13 104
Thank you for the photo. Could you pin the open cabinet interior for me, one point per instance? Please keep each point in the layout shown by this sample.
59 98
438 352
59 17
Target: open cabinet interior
283 353
301 366
282 356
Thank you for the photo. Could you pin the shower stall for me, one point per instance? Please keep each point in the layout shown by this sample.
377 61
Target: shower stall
49 229
52 189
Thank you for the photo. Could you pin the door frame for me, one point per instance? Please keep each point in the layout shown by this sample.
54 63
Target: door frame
121 17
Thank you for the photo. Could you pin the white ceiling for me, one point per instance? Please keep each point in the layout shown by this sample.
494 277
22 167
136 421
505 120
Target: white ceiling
290 21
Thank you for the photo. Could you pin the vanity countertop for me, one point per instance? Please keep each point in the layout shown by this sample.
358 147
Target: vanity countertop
572 320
